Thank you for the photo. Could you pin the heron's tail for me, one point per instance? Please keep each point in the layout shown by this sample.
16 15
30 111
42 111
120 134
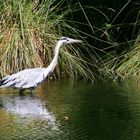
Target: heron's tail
2 82
5 82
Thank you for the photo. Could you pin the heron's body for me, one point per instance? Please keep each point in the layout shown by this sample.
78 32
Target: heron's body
31 78
28 78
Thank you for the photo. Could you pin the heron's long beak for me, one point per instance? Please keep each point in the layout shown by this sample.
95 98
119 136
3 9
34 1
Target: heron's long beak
75 41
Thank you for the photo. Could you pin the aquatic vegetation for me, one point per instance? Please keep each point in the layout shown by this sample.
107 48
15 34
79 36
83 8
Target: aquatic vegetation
130 65
121 58
29 31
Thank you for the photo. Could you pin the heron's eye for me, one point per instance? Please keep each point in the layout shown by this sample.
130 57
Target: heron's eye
65 39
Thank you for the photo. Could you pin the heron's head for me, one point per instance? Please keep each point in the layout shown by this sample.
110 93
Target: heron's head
66 40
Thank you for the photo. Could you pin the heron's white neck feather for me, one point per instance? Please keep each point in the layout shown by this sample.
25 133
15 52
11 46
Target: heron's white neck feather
52 65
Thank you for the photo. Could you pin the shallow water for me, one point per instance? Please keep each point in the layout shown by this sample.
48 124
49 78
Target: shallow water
72 111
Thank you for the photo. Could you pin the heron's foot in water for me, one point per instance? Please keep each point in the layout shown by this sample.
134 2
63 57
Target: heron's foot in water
32 93
21 92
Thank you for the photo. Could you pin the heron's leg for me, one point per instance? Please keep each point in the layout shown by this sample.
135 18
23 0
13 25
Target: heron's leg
21 92
32 92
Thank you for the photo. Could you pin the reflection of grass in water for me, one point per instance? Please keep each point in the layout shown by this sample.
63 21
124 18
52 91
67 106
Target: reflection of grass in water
5 125
28 33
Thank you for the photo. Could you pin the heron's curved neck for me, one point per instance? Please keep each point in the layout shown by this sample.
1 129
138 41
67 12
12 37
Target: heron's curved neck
52 65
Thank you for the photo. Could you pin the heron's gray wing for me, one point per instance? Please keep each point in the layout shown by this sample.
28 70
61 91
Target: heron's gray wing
35 78
32 80
24 79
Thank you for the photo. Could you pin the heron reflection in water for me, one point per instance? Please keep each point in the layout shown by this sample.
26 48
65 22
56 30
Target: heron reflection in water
31 78
28 107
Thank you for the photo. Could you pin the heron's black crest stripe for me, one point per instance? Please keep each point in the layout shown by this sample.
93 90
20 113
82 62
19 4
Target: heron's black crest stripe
64 38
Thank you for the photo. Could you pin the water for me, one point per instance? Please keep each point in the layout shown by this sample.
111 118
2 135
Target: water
67 111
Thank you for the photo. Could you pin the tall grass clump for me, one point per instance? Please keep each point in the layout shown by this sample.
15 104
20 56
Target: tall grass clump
121 57
129 67
28 33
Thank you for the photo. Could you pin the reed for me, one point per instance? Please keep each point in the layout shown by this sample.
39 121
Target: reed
121 57
129 67
28 33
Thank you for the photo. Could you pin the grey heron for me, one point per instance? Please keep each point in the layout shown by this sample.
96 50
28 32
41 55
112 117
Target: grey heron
31 78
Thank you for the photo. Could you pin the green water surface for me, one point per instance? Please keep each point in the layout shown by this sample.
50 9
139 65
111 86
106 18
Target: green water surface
72 111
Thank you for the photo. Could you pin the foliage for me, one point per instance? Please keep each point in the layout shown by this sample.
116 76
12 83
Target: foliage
130 64
118 42
28 32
